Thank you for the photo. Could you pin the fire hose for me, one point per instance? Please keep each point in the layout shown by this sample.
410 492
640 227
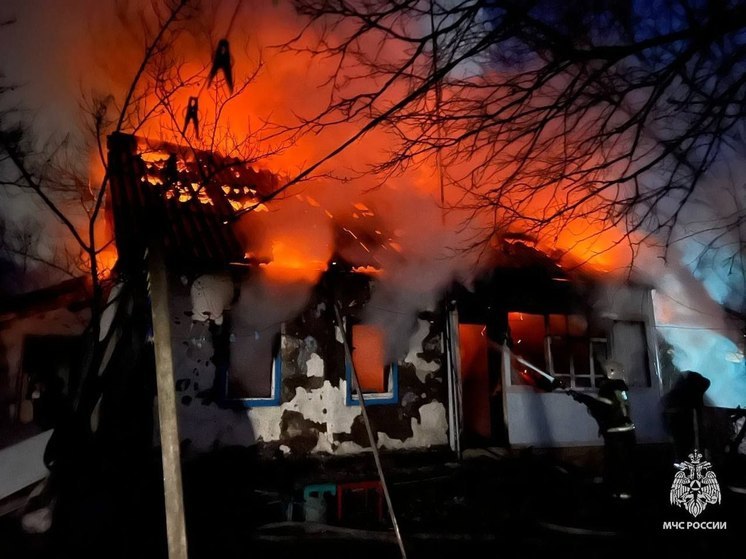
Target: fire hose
555 383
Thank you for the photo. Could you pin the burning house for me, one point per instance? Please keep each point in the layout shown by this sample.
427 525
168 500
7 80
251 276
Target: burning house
257 353
435 277
259 325
552 323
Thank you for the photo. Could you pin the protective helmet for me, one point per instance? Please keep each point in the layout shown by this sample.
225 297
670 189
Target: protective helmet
614 370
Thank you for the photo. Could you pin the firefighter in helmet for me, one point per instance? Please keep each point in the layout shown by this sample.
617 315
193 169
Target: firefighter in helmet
611 410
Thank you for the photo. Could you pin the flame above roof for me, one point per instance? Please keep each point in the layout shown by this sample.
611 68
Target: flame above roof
183 198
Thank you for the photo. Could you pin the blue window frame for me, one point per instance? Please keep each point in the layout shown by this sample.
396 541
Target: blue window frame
273 399
275 384
385 380
391 396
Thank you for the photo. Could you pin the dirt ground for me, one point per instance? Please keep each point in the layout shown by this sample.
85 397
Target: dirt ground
526 503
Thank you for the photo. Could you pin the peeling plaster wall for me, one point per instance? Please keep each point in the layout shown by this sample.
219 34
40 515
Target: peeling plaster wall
312 416
324 413
203 425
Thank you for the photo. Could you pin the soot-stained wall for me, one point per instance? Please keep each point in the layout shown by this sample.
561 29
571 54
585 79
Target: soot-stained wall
312 415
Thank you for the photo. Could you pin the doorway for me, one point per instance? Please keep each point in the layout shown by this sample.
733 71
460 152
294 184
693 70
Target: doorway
475 379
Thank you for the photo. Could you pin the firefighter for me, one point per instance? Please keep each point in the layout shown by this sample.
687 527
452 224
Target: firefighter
683 413
610 408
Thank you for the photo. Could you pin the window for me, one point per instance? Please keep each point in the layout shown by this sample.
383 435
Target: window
528 333
631 350
575 357
254 367
378 380
51 369
559 344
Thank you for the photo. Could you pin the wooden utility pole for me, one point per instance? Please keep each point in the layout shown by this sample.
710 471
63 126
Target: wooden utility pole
167 417
369 429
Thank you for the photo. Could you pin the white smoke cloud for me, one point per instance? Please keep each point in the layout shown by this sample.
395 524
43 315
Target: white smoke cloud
60 50
703 275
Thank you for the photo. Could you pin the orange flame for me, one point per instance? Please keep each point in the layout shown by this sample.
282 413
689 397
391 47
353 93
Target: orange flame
296 85
294 262
106 260
594 246
367 270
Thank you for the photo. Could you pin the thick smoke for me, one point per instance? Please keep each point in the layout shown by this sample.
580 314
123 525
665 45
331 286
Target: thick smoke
66 52
704 276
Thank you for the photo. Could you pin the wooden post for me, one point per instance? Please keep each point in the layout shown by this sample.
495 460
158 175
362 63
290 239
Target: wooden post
453 369
369 429
167 417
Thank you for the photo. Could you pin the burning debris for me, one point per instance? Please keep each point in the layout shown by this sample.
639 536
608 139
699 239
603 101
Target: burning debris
185 174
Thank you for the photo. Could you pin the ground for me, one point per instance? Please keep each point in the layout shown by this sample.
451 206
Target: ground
510 503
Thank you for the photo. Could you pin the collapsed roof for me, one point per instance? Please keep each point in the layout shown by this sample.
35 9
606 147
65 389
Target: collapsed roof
183 198
187 200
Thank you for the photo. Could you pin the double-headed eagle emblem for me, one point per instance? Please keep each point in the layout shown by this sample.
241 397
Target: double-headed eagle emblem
695 485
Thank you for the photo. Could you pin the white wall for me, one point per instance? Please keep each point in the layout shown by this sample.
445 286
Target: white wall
23 464
206 426
555 419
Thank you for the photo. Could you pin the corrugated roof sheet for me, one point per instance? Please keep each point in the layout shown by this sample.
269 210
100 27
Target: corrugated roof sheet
183 198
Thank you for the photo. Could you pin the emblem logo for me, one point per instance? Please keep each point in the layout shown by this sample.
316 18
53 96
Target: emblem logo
695 485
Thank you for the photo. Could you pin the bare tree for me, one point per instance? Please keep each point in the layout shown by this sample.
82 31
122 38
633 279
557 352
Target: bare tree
543 112
56 175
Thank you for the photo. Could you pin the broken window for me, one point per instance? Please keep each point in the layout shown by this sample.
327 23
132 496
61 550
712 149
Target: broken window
576 358
528 333
378 378
254 366
561 345
630 348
